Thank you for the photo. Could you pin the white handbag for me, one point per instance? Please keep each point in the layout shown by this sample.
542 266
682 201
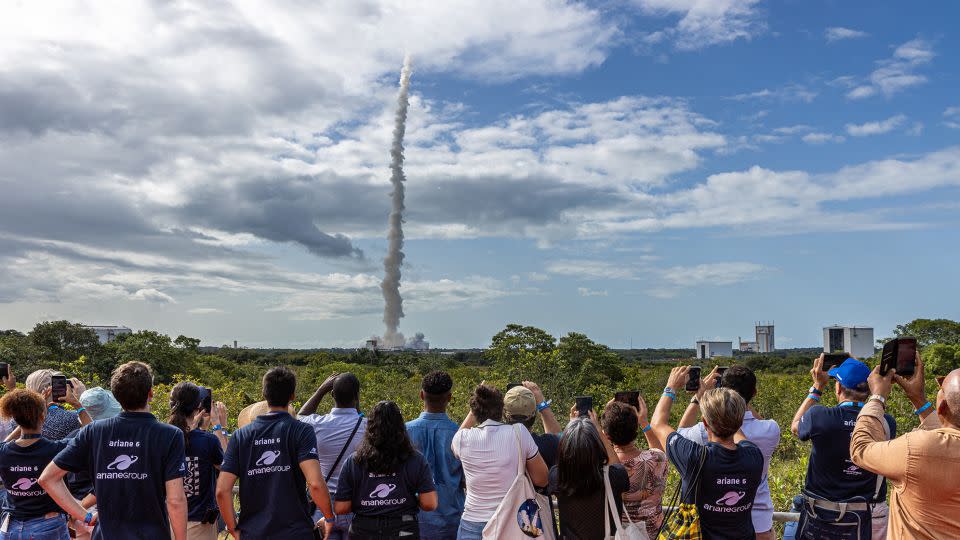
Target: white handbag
630 531
523 513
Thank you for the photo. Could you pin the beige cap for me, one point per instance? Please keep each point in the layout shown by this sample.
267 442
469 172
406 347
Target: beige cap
519 403
250 412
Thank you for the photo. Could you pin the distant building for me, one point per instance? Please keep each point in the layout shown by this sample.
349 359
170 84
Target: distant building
857 341
764 334
106 334
709 349
748 346
371 345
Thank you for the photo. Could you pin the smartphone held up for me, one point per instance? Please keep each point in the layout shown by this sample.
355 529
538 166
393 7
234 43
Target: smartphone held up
899 354
584 405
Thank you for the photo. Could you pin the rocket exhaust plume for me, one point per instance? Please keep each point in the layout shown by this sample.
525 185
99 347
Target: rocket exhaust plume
393 302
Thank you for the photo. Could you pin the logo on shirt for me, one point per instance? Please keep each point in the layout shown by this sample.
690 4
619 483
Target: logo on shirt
122 462
382 490
853 470
24 484
731 498
268 457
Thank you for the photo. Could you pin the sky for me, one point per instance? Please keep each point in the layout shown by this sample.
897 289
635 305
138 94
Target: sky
647 172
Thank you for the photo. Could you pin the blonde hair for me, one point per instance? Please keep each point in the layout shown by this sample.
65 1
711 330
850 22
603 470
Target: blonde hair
723 411
39 380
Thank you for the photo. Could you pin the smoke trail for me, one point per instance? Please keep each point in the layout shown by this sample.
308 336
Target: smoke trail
393 302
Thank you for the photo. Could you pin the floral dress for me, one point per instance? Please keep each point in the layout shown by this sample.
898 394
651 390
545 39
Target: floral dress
648 481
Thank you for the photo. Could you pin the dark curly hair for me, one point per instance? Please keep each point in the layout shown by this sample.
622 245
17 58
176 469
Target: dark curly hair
486 403
26 407
386 444
619 422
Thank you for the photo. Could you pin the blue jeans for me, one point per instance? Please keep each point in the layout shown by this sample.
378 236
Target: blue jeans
54 528
470 530
437 531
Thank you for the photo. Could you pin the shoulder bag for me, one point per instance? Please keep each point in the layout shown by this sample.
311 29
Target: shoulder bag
683 523
630 531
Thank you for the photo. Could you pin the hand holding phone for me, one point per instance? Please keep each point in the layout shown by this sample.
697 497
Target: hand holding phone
58 388
584 405
631 397
206 399
834 359
900 354
720 372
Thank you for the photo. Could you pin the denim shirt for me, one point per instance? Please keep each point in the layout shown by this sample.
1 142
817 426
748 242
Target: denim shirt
432 434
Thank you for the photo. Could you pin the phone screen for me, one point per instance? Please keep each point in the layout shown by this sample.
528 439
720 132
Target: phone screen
584 405
720 371
832 360
4 370
58 386
693 383
206 398
630 398
513 385
906 357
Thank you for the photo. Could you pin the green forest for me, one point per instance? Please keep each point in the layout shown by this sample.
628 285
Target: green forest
564 367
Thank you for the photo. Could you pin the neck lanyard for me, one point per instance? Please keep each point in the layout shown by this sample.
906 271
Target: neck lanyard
29 436
852 404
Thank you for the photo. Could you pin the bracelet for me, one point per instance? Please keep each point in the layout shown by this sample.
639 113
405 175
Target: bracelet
922 409
815 390
88 518
545 404
694 401
646 429
813 397
878 397
80 410
668 390
217 427
671 395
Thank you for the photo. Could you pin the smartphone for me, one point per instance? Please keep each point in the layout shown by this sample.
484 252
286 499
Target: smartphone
584 405
206 399
720 371
631 397
4 370
900 354
513 385
693 383
58 387
832 360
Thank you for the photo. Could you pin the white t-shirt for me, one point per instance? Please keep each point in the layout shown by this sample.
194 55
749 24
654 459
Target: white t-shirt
766 435
489 455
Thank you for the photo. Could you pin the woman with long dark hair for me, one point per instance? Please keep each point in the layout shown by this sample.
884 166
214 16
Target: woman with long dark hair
385 482
204 451
32 514
577 478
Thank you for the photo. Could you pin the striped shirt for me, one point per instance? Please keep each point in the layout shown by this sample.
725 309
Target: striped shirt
489 455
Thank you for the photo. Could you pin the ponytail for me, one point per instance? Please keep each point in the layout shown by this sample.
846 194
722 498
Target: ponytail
184 402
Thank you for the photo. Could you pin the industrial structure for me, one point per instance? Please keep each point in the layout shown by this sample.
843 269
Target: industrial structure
763 339
106 334
710 349
857 341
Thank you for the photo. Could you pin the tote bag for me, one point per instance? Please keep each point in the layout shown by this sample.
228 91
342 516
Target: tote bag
523 513
630 531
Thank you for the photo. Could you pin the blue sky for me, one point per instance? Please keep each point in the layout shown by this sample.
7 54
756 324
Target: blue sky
645 171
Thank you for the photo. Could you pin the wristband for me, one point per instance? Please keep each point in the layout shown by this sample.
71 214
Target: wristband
815 390
668 390
545 404
80 410
694 401
217 427
88 518
813 397
671 395
922 409
646 429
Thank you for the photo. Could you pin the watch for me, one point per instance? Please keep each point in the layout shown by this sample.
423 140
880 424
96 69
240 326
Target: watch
694 401
815 390
878 397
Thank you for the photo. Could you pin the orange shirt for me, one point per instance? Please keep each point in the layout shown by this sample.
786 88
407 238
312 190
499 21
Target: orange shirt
923 469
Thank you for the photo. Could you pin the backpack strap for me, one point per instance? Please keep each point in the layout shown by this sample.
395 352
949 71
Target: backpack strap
343 450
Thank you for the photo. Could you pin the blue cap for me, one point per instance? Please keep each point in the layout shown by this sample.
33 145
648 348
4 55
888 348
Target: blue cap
851 373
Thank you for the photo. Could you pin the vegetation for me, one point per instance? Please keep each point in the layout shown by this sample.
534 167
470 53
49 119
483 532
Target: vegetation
566 367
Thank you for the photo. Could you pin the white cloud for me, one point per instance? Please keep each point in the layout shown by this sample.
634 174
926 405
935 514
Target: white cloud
704 22
822 138
951 117
583 291
897 73
589 269
792 92
154 296
722 273
837 33
205 311
876 128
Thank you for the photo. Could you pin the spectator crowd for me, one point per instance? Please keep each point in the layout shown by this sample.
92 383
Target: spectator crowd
95 463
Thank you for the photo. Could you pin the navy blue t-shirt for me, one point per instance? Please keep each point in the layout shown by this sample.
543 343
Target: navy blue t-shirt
204 454
830 473
385 494
266 455
130 457
728 485
20 467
